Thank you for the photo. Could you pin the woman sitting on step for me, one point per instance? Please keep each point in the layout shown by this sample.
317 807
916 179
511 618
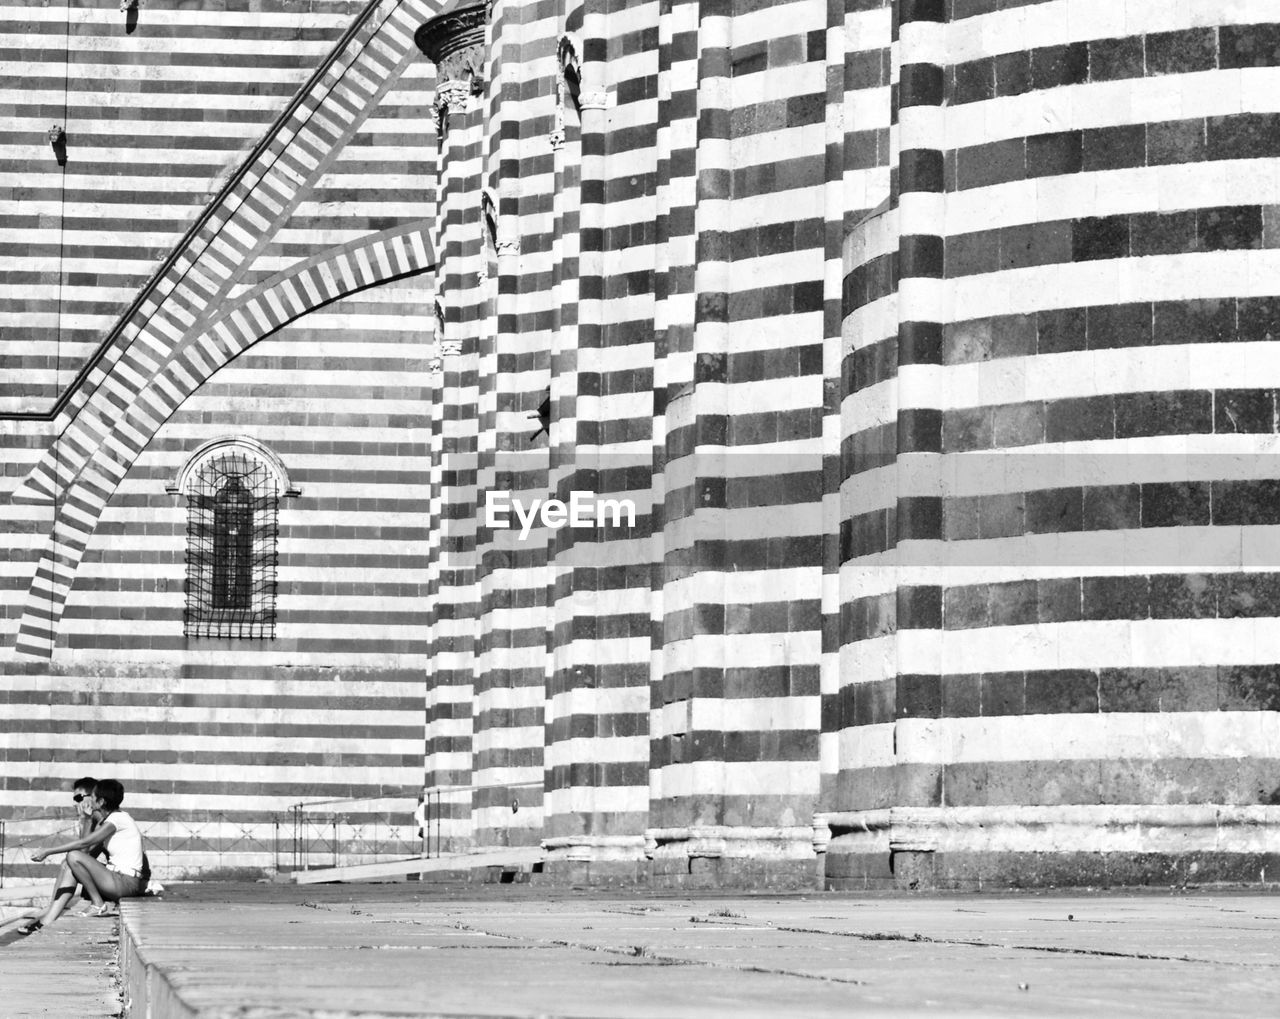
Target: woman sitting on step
125 875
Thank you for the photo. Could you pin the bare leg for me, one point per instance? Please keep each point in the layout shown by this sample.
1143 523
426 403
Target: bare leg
64 887
99 883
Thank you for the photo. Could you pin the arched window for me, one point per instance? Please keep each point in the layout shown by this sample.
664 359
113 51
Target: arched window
233 489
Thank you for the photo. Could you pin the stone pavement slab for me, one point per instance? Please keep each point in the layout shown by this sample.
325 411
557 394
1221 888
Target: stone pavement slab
337 951
66 971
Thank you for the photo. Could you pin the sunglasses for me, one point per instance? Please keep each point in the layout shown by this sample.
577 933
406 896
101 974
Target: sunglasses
79 796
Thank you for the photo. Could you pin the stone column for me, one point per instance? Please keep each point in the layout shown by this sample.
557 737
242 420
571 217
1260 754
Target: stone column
921 310
454 42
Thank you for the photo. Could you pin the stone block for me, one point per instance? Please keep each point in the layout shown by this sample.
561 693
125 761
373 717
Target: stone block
1246 503
1058 599
1114 148
1179 504
1249 46
1229 228
1055 66
1115 597
1013 73
969 428
1244 411
1018 424
1258 318
1183 596
1182 52
1080 419
973 81
1115 59
1055 510
1178 141
1053 154
1060 330
1203 321
1003 693
1099 237
1164 233
965 608
1061 691
1184 412
962 696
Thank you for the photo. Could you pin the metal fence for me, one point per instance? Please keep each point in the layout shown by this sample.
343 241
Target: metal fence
337 833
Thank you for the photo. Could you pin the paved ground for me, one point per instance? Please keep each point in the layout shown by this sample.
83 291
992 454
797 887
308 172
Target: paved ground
399 950
66 972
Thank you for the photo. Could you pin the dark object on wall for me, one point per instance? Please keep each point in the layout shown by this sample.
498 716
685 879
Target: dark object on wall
543 414
57 136
130 9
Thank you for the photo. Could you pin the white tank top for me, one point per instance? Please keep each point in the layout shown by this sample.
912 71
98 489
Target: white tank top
125 843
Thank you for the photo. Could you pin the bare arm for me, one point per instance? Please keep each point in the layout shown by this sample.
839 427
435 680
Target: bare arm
96 837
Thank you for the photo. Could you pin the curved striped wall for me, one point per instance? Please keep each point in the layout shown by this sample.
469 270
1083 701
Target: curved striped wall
1058 572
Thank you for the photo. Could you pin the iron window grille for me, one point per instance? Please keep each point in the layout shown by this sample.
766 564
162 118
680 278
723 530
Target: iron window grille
232 530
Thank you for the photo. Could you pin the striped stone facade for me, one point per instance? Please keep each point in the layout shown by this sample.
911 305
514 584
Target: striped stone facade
899 324
234 242
1057 555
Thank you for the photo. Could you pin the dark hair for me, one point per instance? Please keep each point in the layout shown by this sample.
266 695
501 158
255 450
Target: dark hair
111 793
87 784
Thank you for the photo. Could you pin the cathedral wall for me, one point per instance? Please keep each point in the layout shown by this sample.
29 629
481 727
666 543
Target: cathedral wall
158 104
220 735
215 738
932 342
1077 685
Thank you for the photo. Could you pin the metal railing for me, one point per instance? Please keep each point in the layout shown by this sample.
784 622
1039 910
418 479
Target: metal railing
47 829
342 833
434 801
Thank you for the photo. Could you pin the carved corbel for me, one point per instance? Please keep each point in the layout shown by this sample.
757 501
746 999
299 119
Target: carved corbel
556 137
451 98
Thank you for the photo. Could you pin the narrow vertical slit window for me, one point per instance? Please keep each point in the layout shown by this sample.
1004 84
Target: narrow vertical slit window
233 546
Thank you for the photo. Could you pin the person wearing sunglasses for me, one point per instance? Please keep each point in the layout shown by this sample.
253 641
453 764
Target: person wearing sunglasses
64 885
126 874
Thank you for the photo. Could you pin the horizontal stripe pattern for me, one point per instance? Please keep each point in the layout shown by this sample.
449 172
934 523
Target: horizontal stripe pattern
215 740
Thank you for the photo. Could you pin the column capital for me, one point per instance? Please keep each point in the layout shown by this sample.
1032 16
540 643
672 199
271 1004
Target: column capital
454 41
451 98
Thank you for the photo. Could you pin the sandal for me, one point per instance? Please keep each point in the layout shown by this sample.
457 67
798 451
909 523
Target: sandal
103 910
27 929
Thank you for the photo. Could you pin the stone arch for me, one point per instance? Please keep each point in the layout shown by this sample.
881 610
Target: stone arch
181 484
393 254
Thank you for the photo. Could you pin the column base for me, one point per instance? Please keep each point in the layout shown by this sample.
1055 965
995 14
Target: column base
971 848
598 860
717 856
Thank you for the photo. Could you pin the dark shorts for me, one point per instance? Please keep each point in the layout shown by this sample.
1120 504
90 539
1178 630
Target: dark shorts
130 887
